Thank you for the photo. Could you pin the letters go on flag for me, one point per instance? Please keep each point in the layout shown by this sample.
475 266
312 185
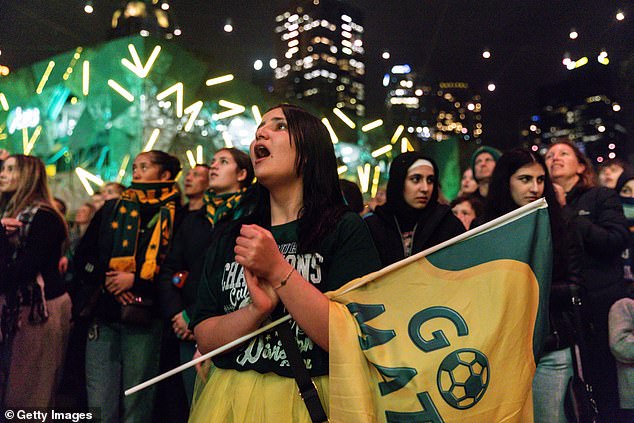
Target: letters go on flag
450 334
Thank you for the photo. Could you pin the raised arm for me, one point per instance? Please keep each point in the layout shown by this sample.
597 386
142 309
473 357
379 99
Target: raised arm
350 254
257 251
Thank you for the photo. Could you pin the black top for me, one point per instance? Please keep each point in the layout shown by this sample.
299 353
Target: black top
39 254
597 214
437 225
345 254
189 246
399 230
5 253
93 257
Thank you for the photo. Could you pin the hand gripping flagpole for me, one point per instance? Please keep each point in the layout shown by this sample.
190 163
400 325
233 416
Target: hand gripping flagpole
210 354
513 215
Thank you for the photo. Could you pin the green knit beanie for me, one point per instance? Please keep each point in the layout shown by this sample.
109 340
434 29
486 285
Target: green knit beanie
484 149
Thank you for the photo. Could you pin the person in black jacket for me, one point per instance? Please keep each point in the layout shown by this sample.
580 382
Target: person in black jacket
520 177
625 188
600 224
412 219
231 174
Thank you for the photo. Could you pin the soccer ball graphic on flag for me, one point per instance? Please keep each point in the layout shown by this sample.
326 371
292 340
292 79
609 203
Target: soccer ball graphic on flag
463 377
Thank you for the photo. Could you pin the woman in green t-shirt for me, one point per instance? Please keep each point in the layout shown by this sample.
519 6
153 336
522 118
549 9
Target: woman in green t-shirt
300 242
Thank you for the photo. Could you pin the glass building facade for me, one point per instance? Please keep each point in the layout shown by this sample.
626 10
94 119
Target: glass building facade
320 55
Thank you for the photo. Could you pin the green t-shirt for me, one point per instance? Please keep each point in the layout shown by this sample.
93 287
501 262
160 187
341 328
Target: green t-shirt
345 254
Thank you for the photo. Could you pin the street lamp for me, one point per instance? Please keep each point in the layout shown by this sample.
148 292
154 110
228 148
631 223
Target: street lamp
228 26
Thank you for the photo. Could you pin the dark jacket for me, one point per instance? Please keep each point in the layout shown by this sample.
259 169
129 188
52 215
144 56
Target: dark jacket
5 253
628 210
39 253
93 256
566 276
192 238
602 229
188 251
436 227
431 225
597 214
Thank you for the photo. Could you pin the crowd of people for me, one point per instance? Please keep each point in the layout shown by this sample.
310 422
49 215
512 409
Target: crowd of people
137 283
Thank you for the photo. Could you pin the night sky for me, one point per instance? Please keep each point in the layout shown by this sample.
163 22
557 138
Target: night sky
442 40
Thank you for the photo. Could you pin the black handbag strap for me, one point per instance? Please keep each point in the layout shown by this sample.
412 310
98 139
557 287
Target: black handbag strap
307 389
577 349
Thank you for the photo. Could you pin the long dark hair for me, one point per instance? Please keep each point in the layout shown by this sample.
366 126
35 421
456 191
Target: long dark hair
242 162
499 200
166 161
316 162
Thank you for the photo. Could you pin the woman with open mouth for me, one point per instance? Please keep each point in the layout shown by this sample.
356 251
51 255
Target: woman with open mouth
300 242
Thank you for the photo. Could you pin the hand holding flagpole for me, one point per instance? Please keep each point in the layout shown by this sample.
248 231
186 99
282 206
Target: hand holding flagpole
204 357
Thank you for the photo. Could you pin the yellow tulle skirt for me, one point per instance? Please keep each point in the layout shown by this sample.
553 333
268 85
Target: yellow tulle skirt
230 396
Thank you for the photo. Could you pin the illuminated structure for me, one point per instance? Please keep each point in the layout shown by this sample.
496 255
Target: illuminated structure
582 109
89 111
320 55
435 111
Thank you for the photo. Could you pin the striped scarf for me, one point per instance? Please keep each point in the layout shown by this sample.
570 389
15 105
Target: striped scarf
32 294
221 206
126 220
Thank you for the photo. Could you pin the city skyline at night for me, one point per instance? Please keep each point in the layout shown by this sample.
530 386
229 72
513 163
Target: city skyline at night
442 41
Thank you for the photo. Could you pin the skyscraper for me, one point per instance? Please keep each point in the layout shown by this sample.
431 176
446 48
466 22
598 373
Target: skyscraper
432 110
582 109
145 17
319 49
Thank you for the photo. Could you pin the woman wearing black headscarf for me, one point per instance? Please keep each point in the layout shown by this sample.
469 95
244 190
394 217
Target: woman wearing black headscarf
412 219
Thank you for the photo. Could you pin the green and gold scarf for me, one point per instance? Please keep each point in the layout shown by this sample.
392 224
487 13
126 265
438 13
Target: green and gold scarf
126 220
222 206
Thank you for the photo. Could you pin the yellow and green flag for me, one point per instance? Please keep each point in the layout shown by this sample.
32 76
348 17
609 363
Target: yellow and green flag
450 334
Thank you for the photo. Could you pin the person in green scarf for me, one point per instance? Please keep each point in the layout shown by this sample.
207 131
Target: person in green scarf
228 198
132 235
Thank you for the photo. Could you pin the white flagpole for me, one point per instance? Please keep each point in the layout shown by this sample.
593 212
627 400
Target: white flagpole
507 218
210 354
